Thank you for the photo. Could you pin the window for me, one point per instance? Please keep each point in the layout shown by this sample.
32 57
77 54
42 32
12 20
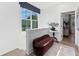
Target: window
29 19
34 20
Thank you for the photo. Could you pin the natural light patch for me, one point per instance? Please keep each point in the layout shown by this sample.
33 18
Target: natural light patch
29 19
58 49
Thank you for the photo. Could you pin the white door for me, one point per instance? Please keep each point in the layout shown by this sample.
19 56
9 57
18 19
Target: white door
61 25
73 23
77 26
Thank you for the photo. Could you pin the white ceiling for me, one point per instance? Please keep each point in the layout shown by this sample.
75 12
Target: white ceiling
43 5
70 12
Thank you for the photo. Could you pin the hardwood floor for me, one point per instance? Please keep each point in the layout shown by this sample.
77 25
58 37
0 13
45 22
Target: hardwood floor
67 45
53 51
76 51
16 52
68 41
59 49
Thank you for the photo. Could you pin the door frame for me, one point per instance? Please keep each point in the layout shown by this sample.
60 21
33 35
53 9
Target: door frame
61 22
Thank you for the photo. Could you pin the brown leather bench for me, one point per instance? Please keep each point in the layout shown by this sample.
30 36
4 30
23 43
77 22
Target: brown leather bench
42 44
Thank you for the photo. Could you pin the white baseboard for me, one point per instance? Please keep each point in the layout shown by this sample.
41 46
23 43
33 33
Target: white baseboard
29 52
77 47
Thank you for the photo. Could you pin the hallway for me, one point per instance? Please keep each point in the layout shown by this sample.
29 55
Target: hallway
70 41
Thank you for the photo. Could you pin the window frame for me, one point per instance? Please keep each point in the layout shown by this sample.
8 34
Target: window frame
31 20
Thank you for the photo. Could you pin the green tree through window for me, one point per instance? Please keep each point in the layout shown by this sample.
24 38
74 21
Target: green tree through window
29 19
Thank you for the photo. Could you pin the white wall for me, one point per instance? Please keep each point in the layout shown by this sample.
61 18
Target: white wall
49 15
77 27
22 41
46 16
31 35
10 31
69 7
53 14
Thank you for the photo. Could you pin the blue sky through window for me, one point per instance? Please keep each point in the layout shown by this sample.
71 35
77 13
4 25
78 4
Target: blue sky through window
25 13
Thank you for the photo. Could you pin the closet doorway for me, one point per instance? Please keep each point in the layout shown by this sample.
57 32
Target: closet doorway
69 28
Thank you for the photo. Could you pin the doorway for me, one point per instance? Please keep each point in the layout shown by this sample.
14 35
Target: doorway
68 28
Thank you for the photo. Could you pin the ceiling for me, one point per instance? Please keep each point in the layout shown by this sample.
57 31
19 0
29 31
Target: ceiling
43 5
70 12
